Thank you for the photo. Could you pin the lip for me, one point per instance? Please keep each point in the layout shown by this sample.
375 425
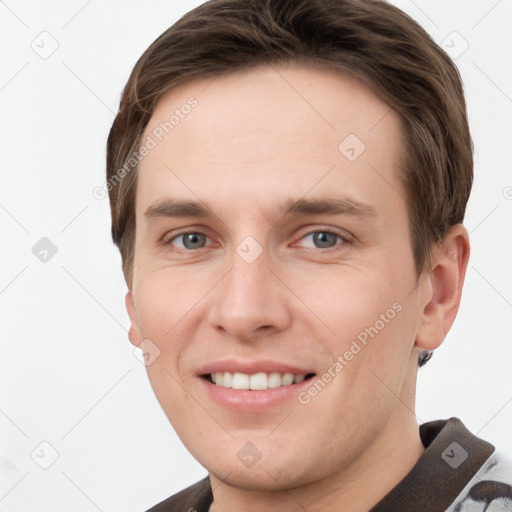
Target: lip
251 367
245 400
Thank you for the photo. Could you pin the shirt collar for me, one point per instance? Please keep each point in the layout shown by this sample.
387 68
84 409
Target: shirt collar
452 456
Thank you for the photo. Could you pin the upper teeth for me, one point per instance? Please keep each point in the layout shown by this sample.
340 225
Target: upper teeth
256 381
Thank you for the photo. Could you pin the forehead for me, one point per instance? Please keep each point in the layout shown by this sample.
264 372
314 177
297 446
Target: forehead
250 134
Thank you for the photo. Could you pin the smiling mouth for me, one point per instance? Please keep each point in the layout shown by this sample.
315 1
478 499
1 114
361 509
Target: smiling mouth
256 381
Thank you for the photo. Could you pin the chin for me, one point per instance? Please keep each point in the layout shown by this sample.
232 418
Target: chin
273 472
268 477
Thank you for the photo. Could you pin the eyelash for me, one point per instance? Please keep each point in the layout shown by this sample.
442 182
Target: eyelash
345 240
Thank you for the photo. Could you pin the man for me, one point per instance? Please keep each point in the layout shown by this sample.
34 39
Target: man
288 181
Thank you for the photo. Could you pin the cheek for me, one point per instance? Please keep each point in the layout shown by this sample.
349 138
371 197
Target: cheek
163 298
350 300
371 318
162 307
383 344
159 311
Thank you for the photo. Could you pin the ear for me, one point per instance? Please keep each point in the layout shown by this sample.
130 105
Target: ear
444 288
134 333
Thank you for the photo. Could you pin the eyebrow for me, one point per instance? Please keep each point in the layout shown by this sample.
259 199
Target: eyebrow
174 208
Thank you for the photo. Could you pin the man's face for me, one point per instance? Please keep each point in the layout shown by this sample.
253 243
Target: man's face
251 290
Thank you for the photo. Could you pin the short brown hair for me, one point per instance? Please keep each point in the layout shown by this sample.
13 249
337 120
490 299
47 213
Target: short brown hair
372 39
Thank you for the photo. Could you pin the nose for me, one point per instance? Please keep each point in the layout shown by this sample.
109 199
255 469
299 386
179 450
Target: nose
250 301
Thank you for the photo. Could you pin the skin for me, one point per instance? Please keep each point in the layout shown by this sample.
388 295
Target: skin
255 139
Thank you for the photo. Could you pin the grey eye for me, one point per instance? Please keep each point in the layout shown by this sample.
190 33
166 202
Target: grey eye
192 240
322 239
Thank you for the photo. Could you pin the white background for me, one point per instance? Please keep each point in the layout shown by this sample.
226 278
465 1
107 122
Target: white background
68 374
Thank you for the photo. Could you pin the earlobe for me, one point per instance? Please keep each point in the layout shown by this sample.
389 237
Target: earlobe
443 288
133 332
